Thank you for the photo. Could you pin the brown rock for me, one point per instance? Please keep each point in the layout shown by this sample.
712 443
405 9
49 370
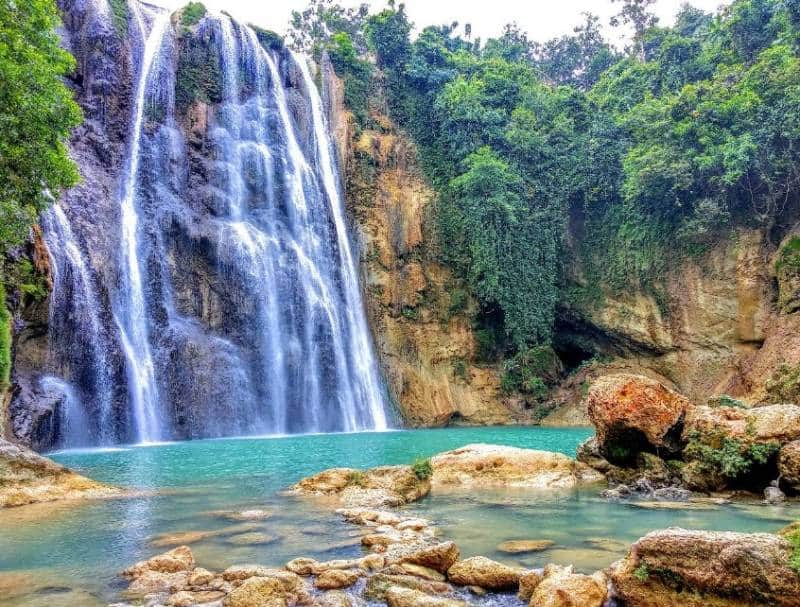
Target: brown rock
177 559
528 583
302 566
439 557
150 582
405 597
632 412
707 569
258 592
789 465
27 478
425 573
494 465
333 598
486 573
336 579
190 599
780 423
200 577
380 583
379 487
560 587
523 546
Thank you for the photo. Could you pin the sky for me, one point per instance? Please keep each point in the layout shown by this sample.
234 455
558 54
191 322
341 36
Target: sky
542 19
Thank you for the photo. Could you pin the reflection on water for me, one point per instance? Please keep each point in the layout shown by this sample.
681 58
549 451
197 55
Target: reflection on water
69 553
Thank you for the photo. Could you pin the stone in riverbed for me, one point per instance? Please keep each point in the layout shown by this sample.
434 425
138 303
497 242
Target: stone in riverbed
177 560
482 465
778 423
336 579
150 582
27 478
333 598
258 592
190 599
254 538
165 540
375 488
486 573
405 597
707 569
789 466
201 577
380 583
302 566
426 573
528 583
525 546
560 587
439 557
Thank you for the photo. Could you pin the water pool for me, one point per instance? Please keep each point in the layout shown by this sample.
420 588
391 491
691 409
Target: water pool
67 555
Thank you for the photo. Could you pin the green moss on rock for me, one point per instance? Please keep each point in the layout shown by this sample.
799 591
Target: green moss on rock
119 16
192 13
5 340
787 271
268 39
199 75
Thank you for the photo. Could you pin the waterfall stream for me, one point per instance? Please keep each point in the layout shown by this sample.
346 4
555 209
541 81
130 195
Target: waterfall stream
234 306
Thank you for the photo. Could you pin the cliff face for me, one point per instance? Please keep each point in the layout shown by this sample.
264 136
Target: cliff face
418 313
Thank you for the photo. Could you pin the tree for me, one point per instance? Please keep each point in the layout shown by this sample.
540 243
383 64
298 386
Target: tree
636 14
314 26
37 113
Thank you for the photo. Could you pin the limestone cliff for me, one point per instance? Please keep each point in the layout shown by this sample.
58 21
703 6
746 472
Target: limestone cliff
419 315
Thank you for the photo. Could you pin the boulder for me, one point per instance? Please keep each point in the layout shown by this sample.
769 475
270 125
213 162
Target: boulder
560 587
499 466
258 592
186 598
707 569
336 579
406 597
152 582
425 573
333 598
385 486
439 557
789 466
486 573
27 477
380 583
771 423
633 413
176 560
528 583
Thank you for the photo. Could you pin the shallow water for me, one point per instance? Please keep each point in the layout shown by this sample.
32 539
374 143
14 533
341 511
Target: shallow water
68 554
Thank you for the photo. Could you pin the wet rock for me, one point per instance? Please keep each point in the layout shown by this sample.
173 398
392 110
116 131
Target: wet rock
426 573
380 583
704 568
560 587
258 592
525 546
166 540
498 466
251 539
179 559
333 598
773 495
406 597
789 465
375 488
190 599
336 579
302 566
201 577
486 573
247 515
439 557
149 582
633 413
699 477
27 477
589 453
528 583
672 494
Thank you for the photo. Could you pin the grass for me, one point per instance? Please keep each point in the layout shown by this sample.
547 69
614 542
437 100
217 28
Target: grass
422 467
642 573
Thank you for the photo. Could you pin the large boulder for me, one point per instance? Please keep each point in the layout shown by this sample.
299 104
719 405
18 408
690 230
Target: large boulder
375 488
176 560
485 573
560 587
771 423
707 569
439 557
406 597
789 465
498 466
27 477
633 413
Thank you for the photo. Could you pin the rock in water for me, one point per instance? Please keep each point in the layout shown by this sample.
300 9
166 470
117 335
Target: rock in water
707 569
524 546
560 587
499 466
27 477
375 488
486 573
779 423
632 413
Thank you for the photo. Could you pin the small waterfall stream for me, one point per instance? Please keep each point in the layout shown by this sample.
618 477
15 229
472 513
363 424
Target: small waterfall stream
235 306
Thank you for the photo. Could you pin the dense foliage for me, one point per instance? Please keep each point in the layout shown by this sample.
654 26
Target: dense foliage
37 113
648 154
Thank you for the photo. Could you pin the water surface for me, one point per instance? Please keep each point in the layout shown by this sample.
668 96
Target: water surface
71 552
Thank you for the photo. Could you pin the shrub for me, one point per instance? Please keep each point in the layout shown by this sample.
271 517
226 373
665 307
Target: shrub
268 39
531 370
727 456
192 13
794 539
357 478
423 469
642 572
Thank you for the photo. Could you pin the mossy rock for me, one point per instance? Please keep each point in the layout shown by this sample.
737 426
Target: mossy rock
787 271
199 74
268 39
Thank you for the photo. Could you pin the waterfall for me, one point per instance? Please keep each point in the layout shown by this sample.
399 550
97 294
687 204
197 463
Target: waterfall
234 305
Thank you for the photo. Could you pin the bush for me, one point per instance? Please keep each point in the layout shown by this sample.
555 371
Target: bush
423 469
192 13
794 539
531 371
730 457
357 478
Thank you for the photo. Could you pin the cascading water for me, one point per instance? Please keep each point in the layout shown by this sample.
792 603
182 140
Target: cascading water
235 306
